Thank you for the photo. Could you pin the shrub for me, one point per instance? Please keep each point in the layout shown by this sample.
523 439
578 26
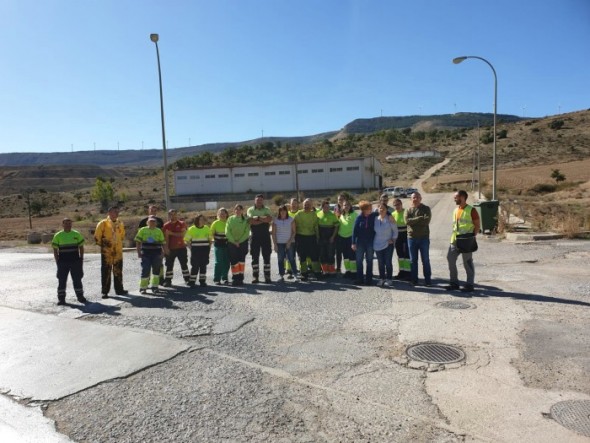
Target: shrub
557 175
487 138
556 124
278 199
542 188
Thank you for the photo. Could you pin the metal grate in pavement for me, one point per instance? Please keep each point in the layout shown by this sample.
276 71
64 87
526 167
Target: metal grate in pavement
573 414
435 353
452 304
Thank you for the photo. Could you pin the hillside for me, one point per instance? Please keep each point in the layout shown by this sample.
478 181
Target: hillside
131 157
153 157
527 153
426 122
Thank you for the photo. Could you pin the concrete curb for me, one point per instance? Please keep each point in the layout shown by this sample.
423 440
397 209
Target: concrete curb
524 237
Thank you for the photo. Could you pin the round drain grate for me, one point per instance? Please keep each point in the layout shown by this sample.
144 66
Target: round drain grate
435 353
573 414
455 305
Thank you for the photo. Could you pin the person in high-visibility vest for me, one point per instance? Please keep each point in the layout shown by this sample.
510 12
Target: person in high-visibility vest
338 208
150 243
328 229
344 239
153 212
306 238
198 238
401 244
465 221
260 218
237 231
221 266
109 235
292 212
68 251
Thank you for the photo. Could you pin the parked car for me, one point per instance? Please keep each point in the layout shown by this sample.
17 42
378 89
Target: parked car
410 191
398 191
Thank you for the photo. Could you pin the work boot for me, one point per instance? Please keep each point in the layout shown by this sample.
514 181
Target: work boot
452 287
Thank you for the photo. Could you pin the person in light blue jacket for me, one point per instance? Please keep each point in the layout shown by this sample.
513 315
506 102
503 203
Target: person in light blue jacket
383 244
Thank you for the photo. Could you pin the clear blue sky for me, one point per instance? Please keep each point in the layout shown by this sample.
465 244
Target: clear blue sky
84 72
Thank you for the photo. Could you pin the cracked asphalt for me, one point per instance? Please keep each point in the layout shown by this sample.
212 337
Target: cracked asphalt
325 361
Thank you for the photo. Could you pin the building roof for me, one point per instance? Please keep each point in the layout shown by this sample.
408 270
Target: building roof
203 168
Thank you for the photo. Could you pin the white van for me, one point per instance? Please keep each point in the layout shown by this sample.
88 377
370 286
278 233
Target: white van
398 191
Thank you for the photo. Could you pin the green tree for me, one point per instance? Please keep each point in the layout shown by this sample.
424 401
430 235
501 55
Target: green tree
37 207
487 138
103 193
557 175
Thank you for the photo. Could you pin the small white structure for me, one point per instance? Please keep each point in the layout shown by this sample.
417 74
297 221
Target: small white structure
413 154
341 174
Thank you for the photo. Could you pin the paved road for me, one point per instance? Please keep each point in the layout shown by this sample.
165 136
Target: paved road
321 361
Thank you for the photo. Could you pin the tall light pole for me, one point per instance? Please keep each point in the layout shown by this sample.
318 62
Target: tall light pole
458 60
155 38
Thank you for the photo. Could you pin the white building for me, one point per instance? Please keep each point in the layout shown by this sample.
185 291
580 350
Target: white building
341 174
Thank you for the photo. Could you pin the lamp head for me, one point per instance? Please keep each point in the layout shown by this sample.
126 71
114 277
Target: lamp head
458 60
154 37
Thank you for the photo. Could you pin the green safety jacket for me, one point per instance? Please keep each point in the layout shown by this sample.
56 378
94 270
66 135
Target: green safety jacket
307 223
198 237
347 224
151 239
218 232
398 216
68 245
237 229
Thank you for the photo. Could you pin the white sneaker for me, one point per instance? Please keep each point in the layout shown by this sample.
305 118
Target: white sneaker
281 279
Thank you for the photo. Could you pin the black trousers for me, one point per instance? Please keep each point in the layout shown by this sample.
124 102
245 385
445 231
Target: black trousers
75 269
199 262
237 259
262 244
182 257
307 247
327 248
343 247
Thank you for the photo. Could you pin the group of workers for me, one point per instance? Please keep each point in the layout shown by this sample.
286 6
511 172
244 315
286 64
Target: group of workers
326 240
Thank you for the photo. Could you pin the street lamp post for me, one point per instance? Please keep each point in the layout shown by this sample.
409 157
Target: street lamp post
155 38
458 60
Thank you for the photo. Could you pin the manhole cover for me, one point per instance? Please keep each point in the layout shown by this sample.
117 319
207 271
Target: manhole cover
455 305
573 414
435 353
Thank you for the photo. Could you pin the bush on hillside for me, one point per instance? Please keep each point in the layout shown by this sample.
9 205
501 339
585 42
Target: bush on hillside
542 188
